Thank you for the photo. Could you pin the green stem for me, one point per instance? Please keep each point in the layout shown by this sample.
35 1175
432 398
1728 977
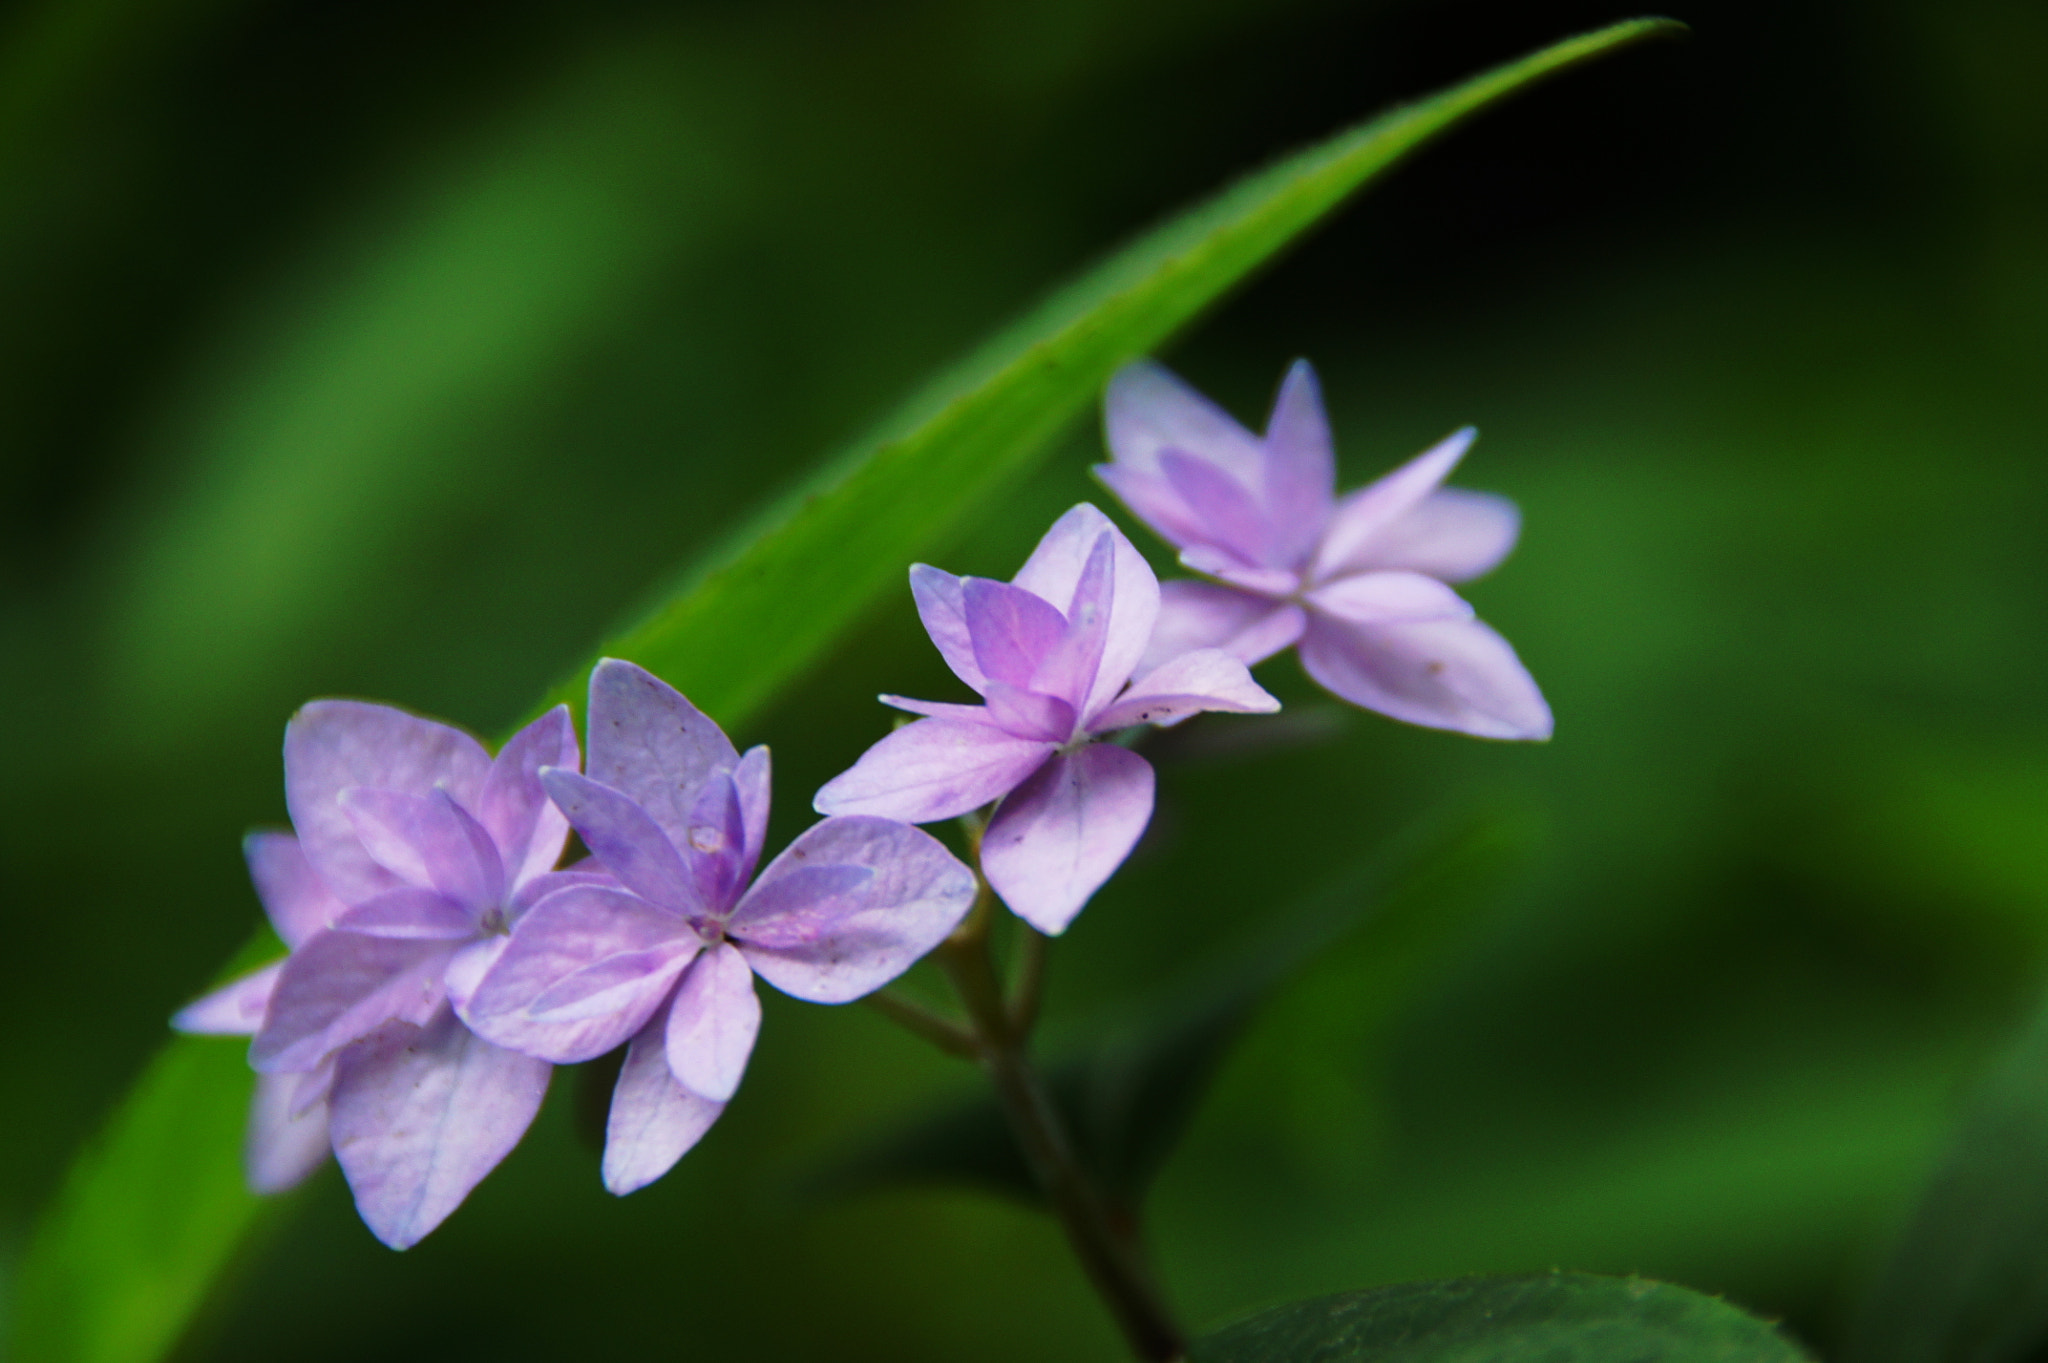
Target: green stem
948 1035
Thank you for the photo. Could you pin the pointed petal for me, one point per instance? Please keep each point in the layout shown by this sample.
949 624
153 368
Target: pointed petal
1068 669
332 745
1301 467
421 1114
234 1009
973 714
941 604
1148 409
611 952
1361 516
849 906
428 840
649 743
627 841
523 822
339 986
286 1139
713 1023
1061 834
1388 599
654 1120
716 844
1216 563
410 911
751 779
933 769
1454 534
1207 679
1231 516
1028 714
1054 572
1196 615
1151 498
1452 674
296 899
1012 629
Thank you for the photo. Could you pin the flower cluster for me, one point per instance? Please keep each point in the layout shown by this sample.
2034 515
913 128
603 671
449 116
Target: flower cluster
441 964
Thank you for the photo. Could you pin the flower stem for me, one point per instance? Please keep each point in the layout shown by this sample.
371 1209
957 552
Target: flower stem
948 1035
1112 1262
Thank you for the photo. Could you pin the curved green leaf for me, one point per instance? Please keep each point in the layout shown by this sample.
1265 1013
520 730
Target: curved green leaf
1549 1318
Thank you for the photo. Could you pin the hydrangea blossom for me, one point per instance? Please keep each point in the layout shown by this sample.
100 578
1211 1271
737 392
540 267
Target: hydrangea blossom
1357 582
1049 652
424 851
668 955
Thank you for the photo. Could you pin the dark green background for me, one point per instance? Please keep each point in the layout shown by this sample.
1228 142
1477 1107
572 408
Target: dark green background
400 349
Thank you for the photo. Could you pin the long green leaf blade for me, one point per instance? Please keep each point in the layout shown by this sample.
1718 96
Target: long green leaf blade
756 613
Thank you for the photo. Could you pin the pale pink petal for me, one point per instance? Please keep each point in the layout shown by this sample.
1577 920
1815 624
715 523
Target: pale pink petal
1361 516
1453 534
933 769
1220 564
1206 679
836 936
626 840
1061 834
296 899
1301 467
410 911
713 1023
612 952
527 828
1388 599
1196 615
1453 674
1231 516
1027 714
1012 629
648 742
751 779
286 1139
339 986
233 1009
332 745
941 604
1054 571
428 840
654 1120
419 1116
1148 410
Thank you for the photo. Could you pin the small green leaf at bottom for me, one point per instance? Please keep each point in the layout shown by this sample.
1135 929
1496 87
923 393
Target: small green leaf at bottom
1546 1318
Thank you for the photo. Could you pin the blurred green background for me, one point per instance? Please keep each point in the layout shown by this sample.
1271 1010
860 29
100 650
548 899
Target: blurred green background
399 349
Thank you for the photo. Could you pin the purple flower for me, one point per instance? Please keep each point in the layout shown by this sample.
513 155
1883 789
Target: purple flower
668 960
1049 652
415 853
1357 582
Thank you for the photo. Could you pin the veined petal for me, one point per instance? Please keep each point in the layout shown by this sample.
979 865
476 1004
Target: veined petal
1231 516
713 1023
717 843
1220 564
588 871
1360 516
1061 834
933 769
1055 571
849 906
420 1114
654 1120
1012 629
1453 534
428 840
1196 615
339 986
649 743
750 778
1447 674
411 911
1148 410
527 828
1301 467
1388 598
627 841
286 1140
1068 669
234 1009
1206 679
941 604
1028 714
297 901
332 745
468 966
572 948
